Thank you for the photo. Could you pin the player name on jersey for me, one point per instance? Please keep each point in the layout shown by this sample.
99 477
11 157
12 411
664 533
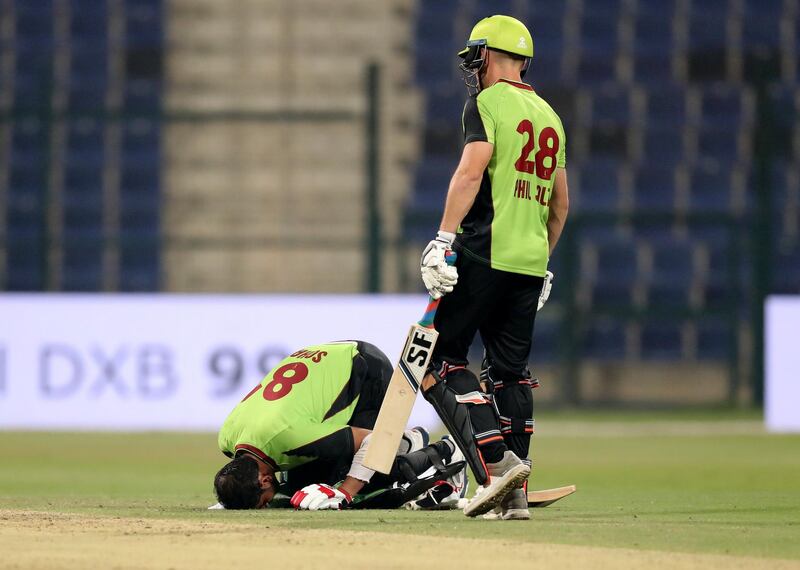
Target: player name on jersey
522 190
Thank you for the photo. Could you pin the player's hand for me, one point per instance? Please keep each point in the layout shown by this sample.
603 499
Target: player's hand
438 277
320 497
545 294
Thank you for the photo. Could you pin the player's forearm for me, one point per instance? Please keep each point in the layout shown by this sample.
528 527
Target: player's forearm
460 197
559 207
351 485
555 225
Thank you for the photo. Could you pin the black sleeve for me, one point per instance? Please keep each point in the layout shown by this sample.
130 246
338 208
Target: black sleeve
472 123
333 446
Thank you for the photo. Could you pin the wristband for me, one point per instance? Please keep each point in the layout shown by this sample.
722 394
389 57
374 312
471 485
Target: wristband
447 237
348 497
357 469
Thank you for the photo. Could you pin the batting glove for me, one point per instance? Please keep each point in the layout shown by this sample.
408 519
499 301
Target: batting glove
320 497
545 294
438 277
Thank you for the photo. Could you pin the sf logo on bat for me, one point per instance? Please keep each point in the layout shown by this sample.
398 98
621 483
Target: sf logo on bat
417 354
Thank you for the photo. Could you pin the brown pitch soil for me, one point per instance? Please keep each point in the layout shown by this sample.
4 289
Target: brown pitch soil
39 540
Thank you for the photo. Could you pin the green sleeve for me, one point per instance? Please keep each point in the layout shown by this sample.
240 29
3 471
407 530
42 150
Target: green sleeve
561 158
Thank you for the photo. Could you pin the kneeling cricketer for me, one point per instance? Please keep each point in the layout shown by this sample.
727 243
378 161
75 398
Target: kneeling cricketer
310 420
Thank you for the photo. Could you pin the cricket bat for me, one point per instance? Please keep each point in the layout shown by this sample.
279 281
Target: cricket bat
403 387
549 496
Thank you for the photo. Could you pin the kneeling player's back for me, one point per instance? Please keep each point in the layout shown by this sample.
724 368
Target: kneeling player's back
301 400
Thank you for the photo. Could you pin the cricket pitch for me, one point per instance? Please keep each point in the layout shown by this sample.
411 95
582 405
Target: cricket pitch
37 540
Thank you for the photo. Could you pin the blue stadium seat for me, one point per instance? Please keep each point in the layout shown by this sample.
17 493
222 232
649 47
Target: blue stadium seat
598 51
786 276
612 105
142 94
604 339
144 25
34 20
599 37
661 147
616 272
545 347
30 144
88 78
431 182
547 27
652 68
654 188
435 64
603 9
434 20
785 101
546 70
82 203
724 105
446 107
33 80
717 284
24 210
666 106
661 340
719 144
85 144
710 188
82 267
82 198
708 41
24 260
141 142
89 20
708 20
611 115
713 339
761 24
484 8
601 233
660 11
651 36
672 274
598 186
140 268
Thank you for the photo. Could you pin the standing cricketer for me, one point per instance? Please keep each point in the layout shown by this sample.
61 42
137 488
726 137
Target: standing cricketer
505 210
310 418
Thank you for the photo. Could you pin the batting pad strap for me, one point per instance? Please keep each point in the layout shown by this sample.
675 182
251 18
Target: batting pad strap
499 384
455 417
487 437
357 468
475 398
447 368
516 425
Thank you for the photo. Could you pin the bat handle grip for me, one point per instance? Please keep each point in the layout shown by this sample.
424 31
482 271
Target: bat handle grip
433 304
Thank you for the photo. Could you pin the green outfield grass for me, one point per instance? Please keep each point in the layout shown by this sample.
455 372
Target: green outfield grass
690 482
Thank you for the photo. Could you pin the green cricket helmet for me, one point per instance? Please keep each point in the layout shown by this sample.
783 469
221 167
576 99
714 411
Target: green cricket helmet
499 33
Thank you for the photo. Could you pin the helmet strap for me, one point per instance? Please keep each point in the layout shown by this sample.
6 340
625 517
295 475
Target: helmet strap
525 67
472 67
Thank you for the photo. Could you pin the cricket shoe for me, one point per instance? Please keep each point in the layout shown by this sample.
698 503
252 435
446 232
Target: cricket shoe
505 475
446 494
414 438
513 507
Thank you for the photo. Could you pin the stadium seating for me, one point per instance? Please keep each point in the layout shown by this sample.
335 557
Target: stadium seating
72 158
660 104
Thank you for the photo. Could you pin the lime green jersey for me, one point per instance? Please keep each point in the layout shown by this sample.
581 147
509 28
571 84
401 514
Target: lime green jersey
507 224
299 411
